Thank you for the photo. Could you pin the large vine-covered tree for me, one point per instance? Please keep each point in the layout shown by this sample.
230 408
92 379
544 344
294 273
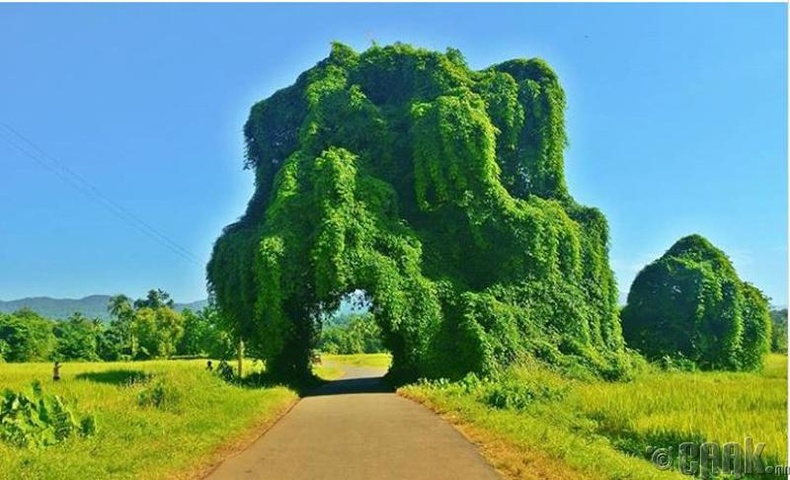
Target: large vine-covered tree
690 303
440 192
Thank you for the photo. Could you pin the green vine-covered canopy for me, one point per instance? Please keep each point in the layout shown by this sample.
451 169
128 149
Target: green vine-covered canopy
440 192
690 304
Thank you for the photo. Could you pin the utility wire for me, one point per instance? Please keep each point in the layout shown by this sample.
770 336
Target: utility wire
32 151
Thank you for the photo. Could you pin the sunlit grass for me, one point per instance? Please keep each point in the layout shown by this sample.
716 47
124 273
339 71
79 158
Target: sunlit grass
601 430
664 409
373 360
209 419
328 371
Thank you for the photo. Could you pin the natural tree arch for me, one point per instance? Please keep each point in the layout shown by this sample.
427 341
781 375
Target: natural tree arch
439 191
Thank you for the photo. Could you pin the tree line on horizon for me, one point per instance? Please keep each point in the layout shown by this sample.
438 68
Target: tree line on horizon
142 329
351 333
151 328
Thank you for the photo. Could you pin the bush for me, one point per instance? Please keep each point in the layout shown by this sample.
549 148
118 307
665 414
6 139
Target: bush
676 364
39 420
513 389
778 330
518 395
160 394
690 304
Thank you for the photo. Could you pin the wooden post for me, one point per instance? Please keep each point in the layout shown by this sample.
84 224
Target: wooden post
241 354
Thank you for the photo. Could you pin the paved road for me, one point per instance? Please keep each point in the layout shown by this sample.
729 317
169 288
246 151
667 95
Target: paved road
358 428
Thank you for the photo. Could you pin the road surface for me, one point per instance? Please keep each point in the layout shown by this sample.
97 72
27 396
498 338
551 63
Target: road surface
357 428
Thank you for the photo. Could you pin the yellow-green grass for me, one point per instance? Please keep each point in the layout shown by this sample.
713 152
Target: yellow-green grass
209 419
599 430
328 371
374 360
721 407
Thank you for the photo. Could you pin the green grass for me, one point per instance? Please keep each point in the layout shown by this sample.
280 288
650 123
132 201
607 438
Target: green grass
328 371
206 419
373 360
548 426
666 409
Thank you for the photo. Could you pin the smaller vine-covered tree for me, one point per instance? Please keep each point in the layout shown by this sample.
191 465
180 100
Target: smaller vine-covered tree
690 303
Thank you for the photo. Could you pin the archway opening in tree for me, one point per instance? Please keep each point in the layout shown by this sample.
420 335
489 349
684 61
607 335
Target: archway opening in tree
351 328
436 189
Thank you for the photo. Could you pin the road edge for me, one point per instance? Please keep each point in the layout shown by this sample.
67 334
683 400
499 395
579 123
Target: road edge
235 445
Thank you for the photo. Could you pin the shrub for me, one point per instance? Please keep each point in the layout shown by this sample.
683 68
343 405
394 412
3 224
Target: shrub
676 364
160 394
518 395
690 304
778 331
39 420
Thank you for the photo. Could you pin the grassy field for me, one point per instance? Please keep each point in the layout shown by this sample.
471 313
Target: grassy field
534 423
375 360
203 420
531 423
328 370
331 366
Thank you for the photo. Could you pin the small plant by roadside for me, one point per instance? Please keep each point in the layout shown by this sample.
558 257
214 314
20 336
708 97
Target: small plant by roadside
516 394
503 391
159 394
39 420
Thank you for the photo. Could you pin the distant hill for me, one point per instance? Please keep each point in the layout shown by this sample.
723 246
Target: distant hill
94 306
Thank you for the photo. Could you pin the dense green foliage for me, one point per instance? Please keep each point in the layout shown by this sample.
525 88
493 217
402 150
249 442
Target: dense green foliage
39 420
355 333
78 338
26 336
437 190
691 304
145 328
779 330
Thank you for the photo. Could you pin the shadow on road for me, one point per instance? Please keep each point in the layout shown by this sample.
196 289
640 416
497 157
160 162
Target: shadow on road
346 386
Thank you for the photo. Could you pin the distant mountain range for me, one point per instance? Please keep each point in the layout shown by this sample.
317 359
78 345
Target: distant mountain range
94 306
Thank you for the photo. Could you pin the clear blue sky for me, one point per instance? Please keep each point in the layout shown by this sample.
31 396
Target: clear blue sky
677 121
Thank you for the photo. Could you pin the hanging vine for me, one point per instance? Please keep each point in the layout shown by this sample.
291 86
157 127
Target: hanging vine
439 191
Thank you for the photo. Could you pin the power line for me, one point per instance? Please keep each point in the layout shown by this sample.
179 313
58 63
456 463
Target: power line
32 151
